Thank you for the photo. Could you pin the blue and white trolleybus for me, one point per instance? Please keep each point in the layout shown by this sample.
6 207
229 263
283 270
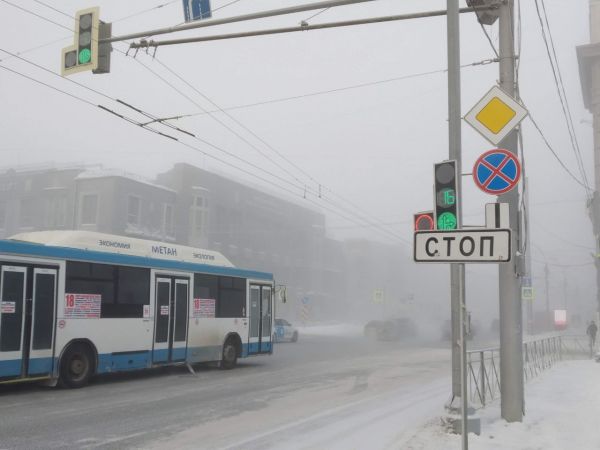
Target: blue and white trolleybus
76 303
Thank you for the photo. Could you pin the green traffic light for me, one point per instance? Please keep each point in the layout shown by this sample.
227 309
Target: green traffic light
85 56
447 221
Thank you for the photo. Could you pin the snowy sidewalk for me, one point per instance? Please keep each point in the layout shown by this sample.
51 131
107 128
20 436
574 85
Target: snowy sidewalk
562 411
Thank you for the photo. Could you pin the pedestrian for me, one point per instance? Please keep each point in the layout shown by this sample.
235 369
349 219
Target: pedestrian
591 331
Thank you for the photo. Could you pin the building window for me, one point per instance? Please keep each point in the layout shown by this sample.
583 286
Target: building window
134 207
89 209
27 213
168 220
56 212
198 219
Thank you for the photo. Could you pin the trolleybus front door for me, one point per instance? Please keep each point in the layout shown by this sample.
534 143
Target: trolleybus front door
42 322
27 321
171 319
259 340
266 319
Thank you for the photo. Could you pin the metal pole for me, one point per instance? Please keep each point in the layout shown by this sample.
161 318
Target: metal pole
242 18
457 271
511 315
299 28
528 302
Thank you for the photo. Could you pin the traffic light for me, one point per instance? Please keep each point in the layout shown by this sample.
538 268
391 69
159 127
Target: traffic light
85 54
424 221
446 201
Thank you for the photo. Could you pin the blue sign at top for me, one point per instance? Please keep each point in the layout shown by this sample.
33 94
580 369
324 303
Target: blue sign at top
497 171
196 10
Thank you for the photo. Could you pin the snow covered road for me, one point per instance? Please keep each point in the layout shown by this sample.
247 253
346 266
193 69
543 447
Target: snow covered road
326 391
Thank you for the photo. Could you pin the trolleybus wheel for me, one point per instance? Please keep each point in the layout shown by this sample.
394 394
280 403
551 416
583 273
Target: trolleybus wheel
76 366
229 358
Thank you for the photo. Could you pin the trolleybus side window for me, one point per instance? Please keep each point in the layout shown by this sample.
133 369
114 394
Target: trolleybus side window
206 286
232 297
124 290
229 294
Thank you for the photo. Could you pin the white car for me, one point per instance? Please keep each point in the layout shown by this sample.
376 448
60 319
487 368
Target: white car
285 331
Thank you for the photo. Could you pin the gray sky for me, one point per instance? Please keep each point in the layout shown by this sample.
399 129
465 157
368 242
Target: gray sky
374 146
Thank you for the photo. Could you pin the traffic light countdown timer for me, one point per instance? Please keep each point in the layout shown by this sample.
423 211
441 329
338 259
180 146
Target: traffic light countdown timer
446 206
83 55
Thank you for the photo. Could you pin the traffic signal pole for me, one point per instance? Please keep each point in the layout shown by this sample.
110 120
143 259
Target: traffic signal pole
511 315
457 271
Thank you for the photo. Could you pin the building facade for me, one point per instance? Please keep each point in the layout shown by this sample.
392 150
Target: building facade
324 277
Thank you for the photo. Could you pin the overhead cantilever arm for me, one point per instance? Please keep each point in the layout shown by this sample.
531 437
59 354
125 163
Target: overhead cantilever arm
302 27
252 16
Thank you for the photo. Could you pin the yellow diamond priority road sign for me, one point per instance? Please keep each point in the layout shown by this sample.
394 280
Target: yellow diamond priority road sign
496 115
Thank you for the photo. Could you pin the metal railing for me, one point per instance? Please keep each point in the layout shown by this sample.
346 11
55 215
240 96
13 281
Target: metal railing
483 365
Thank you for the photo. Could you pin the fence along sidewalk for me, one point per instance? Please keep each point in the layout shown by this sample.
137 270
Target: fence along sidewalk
483 365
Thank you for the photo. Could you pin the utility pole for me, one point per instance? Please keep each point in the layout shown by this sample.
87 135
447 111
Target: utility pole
526 224
457 271
589 74
511 314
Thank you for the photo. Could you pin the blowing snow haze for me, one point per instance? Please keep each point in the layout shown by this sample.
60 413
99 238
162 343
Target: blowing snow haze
303 155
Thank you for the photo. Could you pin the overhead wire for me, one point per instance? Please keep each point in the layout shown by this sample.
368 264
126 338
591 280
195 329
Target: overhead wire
334 90
489 39
318 13
318 192
562 164
164 123
551 53
153 117
562 239
195 148
539 261
39 16
222 123
144 11
128 119
352 205
569 115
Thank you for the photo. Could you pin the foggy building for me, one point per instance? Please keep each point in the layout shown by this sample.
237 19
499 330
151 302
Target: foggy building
191 206
41 198
85 198
123 204
254 228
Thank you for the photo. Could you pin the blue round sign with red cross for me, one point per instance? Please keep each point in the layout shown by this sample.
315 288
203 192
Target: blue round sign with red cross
497 171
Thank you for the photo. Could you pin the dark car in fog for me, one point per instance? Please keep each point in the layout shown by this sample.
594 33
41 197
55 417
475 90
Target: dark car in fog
390 330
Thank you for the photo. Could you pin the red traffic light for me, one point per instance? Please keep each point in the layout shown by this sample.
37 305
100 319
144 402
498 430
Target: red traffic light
424 221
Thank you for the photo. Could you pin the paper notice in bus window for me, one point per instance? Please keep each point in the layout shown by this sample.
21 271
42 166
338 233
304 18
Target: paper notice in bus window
164 310
7 307
83 306
204 307
146 311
